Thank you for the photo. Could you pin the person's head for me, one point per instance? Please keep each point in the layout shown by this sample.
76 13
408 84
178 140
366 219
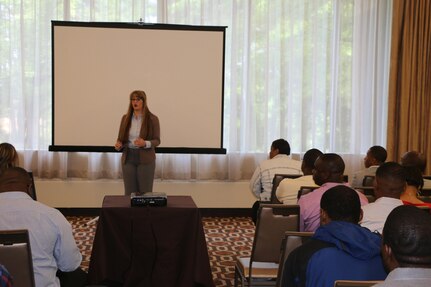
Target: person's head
329 167
414 177
390 180
340 203
8 156
138 102
280 146
376 155
406 238
414 158
15 179
308 160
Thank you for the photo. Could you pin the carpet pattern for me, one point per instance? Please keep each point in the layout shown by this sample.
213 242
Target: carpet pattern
227 238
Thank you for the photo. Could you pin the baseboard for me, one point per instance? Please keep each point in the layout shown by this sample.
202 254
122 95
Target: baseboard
205 212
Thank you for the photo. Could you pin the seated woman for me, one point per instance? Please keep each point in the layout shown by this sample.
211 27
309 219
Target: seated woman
415 183
8 156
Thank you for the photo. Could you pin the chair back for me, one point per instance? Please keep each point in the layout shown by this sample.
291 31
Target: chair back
305 189
353 283
291 240
425 208
368 180
15 255
278 177
425 192
273 221
32 189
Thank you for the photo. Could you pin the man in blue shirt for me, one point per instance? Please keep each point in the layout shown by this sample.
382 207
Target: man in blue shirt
56 257
340 249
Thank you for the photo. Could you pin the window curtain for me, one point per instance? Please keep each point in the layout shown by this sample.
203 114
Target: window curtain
410 80
314 72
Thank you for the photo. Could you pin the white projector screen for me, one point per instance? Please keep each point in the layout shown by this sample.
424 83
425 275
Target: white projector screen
96 65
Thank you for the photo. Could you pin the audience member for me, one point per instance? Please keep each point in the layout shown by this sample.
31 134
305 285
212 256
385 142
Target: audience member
287 190
414 158
414 185
327 173
278 162
389 184
406 248
53 246
340 247
376 155
5 278
8 156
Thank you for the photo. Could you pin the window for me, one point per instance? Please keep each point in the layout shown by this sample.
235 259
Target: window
314 72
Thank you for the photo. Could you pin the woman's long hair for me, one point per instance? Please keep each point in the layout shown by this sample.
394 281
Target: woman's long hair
8 156
146 116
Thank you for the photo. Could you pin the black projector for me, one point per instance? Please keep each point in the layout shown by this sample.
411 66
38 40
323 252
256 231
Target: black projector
149 199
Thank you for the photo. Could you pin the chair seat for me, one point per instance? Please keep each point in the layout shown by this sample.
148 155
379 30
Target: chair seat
260 269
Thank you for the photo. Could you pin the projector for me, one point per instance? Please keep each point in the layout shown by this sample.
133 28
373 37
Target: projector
149 199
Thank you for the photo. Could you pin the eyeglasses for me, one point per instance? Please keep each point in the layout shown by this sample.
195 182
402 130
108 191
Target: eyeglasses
135 99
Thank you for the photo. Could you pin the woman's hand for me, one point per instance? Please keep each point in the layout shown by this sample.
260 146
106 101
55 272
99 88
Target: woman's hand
118 145
139 142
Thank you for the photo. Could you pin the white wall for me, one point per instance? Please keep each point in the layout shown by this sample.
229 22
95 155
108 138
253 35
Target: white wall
77 193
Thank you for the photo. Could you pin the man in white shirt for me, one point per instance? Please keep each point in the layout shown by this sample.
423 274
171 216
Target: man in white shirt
389 184
406 249
287 190
376 155
278 162
53 246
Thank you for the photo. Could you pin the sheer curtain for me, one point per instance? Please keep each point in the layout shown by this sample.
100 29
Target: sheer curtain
314 72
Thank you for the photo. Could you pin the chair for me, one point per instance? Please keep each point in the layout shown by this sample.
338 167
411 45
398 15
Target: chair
425 192
353 283
276 181
15 255
291 240
425 208
305 189
368 180
425 198
367 187
32 188
261 268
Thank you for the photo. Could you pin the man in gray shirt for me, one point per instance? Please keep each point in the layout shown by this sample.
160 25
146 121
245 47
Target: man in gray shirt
406 248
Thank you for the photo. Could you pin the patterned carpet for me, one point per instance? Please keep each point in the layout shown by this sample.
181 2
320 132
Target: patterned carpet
227 238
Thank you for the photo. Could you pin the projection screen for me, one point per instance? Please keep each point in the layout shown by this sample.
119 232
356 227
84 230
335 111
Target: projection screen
95 66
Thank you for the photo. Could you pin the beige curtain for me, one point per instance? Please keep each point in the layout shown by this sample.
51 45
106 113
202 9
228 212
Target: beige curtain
409 123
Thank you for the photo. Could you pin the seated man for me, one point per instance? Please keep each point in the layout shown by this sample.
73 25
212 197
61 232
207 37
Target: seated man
327 173
389 184
340 249
376 155
287 190
414 158
53 246
278 162
406 248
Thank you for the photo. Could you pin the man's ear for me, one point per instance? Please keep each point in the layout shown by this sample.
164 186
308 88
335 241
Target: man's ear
361 215
324 218
388 257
